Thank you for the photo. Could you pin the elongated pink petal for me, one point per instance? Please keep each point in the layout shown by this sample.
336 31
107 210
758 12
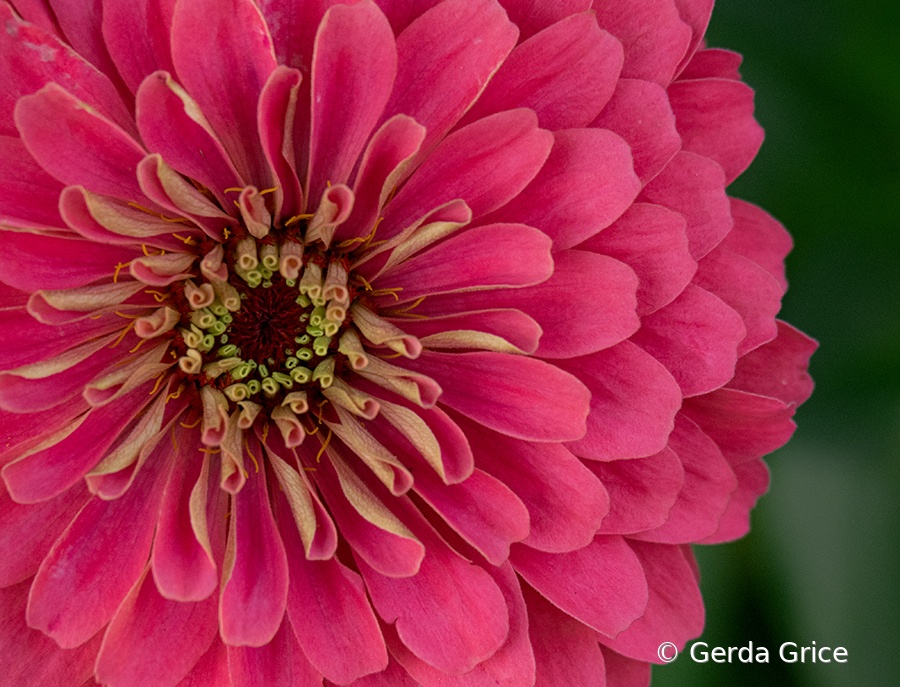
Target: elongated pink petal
276 113
392 676
759 237
753 480
223 55
652 136
29 658
519 397
586 184
631 413
566 74
81 25
136 33
696 337
623 671
674 610
602 585
26 187
93 565
641 491
353 70
254 590
279 662
565 650
28 531
532 16
445 58
211 670
153 641
652 241
694 13
77 145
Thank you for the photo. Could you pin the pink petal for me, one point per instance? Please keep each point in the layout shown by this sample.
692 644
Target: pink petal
211 670
511 666
715 119
694 13
759 237
713 63
625 672
602 585
277 108
19 437
565 501
28 532
485 164
94 564
136 33
745 286
778 368
641 491
77 145
674 610
80 23
495 255
695 187
744 425
166 119
633 403
586 184
32 58
445 58
653 35
353 70
753 481
29 658
532 16
279 662
708 485
450 614
696 337
520 397
223 55
652 136
566 74
652 241
565 651
152 641
26 188
512 325
329 612
255 586
50 471
392 676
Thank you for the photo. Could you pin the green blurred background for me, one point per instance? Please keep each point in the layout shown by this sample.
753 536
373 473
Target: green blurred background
822 561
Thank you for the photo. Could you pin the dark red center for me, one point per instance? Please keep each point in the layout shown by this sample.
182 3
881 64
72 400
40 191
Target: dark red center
267 322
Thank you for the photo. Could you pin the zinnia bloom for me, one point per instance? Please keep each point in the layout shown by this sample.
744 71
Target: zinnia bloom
384 343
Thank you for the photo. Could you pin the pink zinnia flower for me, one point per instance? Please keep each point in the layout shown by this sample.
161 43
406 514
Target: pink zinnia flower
396 343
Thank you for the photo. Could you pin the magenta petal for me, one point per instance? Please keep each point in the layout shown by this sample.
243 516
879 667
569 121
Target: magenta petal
26 188
532 16
81 24
254 590
753 480
450 614
715 119
586 183
674 610
28 531
155 642
277 108
708 485
77 145
759 237
279 662
694 13
50 471
602 585
744 425
778 368
517 396
29 658
633 403
652 136
695 187
713 63
392 676
223 55
625 672
565 651
211 670
696 337
652 241
512 325
93 565
641 491
353 70
653 35
486 164
136 33
566 74
493 256
445 58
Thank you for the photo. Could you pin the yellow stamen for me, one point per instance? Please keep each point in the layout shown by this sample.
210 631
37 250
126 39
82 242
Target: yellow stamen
234 189
406 309
199 420
175 394
157 296
324 445
268 190
210 450
140 343
315 429
297 218
226 232
158 380
388 357
252 457
122 335
188 240
127 317
388 292
174 443
365 283
119 266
